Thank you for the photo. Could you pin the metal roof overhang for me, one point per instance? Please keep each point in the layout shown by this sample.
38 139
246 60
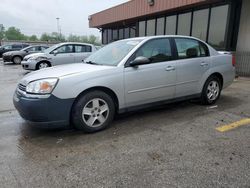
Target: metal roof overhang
133 10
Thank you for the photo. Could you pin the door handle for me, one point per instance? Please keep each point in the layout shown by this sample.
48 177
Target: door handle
170 68
203 64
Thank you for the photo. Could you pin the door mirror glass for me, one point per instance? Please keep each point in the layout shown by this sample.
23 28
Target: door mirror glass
140 61
55 52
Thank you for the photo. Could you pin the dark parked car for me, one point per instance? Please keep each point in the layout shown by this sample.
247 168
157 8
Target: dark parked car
17 56
11 47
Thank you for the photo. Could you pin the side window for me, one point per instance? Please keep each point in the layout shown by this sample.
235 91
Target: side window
17 46
88 49
189 48
157 50
32 49
43 48
8 47
80 48
65 49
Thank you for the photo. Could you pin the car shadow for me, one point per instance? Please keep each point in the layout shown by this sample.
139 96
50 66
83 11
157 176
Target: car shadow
124 124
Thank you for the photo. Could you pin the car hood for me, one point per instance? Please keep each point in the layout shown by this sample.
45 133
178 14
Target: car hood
14 53
63 70
35 55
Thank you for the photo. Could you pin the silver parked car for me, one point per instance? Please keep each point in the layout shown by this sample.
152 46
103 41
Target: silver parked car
124 75
59 54
17 56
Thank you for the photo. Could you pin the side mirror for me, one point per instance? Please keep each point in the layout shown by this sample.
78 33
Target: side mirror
55 52
139 61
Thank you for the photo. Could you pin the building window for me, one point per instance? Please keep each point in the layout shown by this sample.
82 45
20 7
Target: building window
142 26
115 35
126 33
121 34
132 31
104 36
184 24
218 25
109 35
151 27
171 25
160 26
200 24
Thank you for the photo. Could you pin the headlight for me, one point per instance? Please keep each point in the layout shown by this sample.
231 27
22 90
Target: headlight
44 86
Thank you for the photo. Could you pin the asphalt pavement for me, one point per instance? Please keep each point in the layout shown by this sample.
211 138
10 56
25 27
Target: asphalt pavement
175 145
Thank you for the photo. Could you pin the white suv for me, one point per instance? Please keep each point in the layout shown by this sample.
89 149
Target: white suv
63 53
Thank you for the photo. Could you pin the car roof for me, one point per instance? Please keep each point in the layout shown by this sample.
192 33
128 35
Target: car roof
75 43
162 36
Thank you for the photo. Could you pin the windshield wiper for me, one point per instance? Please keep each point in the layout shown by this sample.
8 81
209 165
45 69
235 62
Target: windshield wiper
91 62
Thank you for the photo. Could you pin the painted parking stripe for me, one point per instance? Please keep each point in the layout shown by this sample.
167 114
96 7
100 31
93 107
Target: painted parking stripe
234 125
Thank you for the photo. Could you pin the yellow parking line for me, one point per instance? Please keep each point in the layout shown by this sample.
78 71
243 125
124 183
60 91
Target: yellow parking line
234 125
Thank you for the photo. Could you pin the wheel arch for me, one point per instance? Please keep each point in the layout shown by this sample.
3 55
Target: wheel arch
16 56
41 62
106 90
218 75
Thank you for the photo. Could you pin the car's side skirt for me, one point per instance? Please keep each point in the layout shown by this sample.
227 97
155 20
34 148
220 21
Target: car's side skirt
158 103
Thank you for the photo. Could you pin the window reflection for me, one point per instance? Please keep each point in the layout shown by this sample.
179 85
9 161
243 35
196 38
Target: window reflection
218 25
200 24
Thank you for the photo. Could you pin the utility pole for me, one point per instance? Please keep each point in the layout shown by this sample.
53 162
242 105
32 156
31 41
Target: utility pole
59 28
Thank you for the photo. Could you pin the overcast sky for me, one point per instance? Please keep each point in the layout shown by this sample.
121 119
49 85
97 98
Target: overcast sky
39 16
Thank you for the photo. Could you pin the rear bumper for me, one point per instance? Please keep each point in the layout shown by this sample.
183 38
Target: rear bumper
50 112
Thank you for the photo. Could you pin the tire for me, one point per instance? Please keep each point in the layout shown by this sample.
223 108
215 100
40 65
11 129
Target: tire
17 60
93 111
42 65
211 90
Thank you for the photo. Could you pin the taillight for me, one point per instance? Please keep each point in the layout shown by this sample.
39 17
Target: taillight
233 60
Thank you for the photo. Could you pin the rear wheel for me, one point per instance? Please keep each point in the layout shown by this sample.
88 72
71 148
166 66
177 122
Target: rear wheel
211 90
93 111
17 60
42 65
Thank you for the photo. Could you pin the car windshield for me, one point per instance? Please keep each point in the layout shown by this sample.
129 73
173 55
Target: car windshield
24 49
48 50
113 53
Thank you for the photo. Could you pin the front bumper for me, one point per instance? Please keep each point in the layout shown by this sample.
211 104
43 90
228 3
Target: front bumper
7 58
50 112
29 64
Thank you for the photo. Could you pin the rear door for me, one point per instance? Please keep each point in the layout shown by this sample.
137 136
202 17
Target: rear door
193 61
154 81
82 52
64 55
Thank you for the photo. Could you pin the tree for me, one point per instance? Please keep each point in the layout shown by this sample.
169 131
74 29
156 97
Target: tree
92 39
33 38
45 37
2 31
14 34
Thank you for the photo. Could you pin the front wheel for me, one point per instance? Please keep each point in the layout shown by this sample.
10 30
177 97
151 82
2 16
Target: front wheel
211 90
17 60
42 65
93 111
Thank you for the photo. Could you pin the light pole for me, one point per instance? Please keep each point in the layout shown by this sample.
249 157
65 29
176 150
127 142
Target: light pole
59 28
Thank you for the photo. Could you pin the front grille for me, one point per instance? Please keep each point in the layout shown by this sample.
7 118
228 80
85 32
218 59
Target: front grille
22 87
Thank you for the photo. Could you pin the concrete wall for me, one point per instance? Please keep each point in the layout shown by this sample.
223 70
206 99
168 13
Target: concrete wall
244 30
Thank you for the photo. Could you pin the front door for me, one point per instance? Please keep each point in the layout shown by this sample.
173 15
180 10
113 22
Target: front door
154 81
64 55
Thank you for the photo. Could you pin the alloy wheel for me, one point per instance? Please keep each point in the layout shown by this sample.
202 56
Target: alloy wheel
213 90
95 112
